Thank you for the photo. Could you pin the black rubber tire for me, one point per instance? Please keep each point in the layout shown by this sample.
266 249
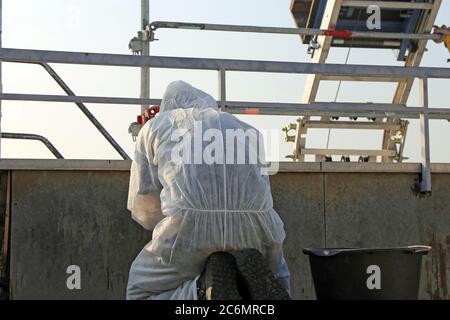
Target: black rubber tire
222 278
259 281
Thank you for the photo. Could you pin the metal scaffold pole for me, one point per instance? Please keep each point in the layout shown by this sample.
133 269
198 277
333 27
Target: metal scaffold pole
145 71
293 31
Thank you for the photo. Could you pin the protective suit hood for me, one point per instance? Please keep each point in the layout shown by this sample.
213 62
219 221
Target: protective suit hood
180 94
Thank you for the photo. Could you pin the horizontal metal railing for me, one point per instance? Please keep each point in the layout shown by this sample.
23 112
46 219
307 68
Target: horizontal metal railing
225 65
125 60
338 109
294 31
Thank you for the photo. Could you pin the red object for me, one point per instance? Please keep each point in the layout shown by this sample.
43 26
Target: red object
150 113
252 111
140 120
338 33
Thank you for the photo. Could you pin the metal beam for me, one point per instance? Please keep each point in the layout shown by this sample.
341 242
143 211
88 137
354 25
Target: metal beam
329 20
365 79
320 55
86 111
425 183
36 56
370 110
145 71
324 31
76 99
66 164
348 152
124 165
261 108
350 125
413 60
222 88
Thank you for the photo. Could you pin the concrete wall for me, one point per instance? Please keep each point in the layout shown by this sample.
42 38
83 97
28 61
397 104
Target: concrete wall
63 218
364 210
77 215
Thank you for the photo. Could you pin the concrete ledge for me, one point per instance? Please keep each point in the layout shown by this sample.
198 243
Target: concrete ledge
65 165
124 165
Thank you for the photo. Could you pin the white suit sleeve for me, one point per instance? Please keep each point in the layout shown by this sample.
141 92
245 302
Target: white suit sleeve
144 191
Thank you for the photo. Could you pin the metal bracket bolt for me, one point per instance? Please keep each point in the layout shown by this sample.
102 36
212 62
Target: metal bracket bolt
136 44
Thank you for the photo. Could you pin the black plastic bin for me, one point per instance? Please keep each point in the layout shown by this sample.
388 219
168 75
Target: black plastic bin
366 274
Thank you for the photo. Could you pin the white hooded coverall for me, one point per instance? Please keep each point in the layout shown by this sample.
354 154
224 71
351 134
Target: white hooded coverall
196 208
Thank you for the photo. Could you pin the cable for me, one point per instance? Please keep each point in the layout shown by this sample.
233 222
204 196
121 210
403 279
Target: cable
340 82
337 94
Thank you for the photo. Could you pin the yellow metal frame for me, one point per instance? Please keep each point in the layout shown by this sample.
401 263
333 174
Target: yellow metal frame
447 42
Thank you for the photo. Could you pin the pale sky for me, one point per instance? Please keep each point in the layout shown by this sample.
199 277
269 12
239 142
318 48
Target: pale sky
106 26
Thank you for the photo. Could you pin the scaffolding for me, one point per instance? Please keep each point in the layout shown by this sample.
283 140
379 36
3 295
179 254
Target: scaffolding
327 14
317 71
394 128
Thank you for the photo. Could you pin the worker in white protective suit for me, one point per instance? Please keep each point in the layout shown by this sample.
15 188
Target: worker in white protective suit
203 210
